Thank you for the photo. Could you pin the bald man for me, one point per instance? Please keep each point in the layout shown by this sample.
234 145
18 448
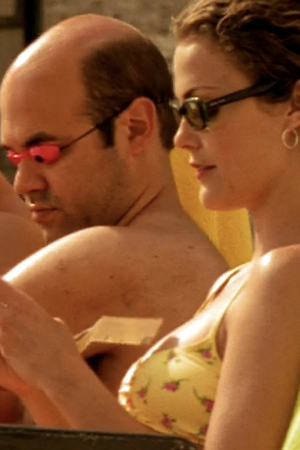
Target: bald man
86 120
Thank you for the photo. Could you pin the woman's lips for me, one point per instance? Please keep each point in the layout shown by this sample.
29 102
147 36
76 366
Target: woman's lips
202 170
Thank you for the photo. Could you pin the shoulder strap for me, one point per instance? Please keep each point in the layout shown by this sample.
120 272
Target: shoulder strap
219 285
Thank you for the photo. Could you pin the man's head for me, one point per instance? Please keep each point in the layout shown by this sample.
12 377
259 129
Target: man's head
99 78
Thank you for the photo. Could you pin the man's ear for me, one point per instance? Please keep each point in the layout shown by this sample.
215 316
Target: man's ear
140 120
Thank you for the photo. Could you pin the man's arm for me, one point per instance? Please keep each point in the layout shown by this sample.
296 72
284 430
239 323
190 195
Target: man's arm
40 363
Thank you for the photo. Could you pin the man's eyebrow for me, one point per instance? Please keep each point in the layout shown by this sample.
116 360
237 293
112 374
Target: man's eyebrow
37 138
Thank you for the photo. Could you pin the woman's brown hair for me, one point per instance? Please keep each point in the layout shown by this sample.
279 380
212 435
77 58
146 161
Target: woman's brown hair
262 36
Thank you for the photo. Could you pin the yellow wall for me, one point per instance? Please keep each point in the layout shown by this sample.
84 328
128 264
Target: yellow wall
229 231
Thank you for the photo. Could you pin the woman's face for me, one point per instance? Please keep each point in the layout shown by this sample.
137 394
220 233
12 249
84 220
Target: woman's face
240 155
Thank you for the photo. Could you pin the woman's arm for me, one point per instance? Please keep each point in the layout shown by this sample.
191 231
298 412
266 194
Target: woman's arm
261 368
79 400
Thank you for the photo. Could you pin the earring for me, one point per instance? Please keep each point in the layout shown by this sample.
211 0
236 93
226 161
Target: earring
284 138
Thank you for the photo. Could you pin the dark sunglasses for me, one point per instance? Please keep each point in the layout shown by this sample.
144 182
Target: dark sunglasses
199 113
49 153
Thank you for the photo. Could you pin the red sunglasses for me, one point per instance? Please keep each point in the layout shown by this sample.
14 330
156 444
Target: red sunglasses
45 153
49 153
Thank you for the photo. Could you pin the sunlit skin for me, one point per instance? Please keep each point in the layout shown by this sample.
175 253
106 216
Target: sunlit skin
241 161
61 197
234 156
230 156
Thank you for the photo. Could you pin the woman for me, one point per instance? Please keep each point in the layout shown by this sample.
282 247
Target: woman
229 378
231 375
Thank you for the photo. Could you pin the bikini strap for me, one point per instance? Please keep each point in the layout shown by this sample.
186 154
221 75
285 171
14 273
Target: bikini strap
219 285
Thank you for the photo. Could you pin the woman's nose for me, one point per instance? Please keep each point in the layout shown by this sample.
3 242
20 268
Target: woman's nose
186 137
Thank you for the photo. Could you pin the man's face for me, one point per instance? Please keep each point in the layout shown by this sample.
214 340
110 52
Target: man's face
87 185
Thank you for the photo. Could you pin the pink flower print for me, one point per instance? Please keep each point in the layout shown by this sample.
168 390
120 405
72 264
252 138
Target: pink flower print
143 393
173 385
171 355
209 404
205 401
167 421
206 353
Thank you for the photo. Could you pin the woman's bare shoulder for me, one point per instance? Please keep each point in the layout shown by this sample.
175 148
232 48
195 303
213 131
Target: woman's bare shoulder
277 267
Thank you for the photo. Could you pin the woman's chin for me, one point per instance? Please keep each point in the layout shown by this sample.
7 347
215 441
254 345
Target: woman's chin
216 202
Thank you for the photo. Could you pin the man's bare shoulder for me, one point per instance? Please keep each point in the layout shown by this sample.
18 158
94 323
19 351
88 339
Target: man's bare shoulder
72 269
119 244
117 271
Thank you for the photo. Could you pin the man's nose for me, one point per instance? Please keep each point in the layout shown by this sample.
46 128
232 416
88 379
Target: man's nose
29 177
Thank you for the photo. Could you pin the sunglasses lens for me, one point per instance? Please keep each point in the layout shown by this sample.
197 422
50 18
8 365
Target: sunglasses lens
191 110
194 114
45 153
13 157
176 108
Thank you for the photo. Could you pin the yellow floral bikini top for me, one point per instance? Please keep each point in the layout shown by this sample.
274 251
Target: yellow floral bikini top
173 390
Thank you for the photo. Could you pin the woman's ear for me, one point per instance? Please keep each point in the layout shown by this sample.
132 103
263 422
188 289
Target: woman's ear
296 96
294 114
140 120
